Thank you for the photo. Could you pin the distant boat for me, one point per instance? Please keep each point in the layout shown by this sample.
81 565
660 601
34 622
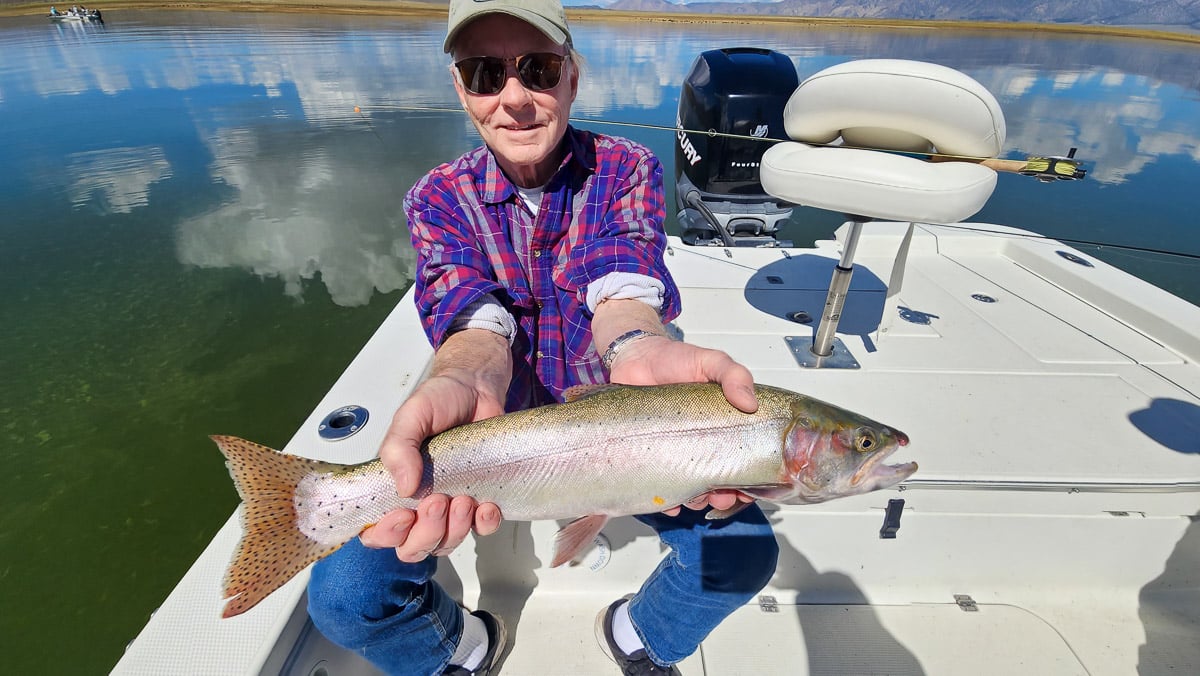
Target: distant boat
75 15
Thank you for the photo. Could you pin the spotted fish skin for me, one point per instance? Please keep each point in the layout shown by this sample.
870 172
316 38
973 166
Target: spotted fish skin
610 451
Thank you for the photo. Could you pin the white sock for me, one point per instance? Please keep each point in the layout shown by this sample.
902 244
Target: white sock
623 632
473 645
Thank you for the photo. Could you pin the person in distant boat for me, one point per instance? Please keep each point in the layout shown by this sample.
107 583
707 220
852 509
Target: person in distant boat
540 268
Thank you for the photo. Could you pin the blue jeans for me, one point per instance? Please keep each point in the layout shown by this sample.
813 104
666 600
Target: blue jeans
394 615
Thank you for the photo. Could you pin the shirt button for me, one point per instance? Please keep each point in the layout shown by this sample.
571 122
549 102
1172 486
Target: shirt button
537 253
539 354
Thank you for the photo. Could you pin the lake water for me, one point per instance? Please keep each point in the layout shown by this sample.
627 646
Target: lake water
198 232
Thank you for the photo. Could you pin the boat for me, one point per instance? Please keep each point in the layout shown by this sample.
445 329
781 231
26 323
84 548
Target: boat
1052 402
75 14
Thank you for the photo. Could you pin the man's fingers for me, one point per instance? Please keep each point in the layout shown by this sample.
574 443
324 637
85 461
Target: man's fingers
404 462
400 450
741 396
461 518
390 531
436 528
736 382
429 531
487 519
722 499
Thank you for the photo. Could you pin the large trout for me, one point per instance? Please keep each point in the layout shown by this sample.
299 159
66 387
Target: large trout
611 450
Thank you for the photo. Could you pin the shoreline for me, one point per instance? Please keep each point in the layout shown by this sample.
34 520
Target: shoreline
432 10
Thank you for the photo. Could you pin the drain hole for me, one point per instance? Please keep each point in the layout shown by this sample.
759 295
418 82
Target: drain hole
342 423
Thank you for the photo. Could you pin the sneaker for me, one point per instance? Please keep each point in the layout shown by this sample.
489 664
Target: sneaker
497 641
637 664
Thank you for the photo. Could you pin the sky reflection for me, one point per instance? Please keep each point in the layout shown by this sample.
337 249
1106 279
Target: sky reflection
256 114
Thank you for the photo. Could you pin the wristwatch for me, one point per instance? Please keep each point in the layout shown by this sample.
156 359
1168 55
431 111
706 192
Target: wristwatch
619 343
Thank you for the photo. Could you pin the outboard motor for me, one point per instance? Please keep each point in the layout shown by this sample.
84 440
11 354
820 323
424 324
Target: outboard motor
741 92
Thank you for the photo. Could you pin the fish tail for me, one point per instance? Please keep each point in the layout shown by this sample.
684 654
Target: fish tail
272 549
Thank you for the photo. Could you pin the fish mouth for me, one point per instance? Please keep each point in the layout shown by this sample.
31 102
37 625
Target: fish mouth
878 475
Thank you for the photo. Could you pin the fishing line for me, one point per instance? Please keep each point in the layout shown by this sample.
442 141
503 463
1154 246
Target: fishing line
711 133
716 134
585 120
364 118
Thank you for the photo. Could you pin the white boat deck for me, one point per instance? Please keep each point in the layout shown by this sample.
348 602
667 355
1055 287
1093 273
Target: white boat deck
1058 434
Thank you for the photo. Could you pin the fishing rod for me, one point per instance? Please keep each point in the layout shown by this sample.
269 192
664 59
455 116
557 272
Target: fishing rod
1044 168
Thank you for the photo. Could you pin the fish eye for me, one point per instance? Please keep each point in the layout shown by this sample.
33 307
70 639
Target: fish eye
865 440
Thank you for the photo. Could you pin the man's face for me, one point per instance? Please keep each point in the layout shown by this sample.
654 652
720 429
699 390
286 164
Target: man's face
523 128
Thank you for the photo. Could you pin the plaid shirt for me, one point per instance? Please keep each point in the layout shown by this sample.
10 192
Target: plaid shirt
601 212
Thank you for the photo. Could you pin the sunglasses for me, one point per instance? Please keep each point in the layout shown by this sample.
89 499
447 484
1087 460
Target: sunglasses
486 75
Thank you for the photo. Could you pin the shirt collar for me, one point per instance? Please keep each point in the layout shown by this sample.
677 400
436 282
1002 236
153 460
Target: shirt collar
496 186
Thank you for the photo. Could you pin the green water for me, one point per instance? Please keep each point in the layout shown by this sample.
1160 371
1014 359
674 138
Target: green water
124 363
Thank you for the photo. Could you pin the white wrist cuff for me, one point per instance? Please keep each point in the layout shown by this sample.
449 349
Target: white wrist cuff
626 286
486 313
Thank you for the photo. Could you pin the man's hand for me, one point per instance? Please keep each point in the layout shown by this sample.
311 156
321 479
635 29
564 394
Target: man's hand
722 499
658 360
459 392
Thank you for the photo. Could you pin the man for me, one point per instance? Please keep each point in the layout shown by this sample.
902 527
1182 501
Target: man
540 268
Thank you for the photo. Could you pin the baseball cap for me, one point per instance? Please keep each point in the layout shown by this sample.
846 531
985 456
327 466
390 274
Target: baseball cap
547 16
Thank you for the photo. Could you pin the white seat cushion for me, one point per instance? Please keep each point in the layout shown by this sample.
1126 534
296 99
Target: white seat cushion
877 185
897 104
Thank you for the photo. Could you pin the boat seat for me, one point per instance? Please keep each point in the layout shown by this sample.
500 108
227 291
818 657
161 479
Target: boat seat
873 105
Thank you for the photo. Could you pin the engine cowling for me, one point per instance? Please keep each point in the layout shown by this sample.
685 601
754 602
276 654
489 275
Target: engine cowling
740 92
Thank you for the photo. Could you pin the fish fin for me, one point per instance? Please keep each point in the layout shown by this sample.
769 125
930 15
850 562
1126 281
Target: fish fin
577 392
716 514
763 491
272 549
574 538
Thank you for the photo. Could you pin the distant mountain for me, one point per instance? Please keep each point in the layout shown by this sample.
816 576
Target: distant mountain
1164 13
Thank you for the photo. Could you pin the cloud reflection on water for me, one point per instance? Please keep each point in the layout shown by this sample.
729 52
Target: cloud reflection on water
119 178
293 216
273 101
